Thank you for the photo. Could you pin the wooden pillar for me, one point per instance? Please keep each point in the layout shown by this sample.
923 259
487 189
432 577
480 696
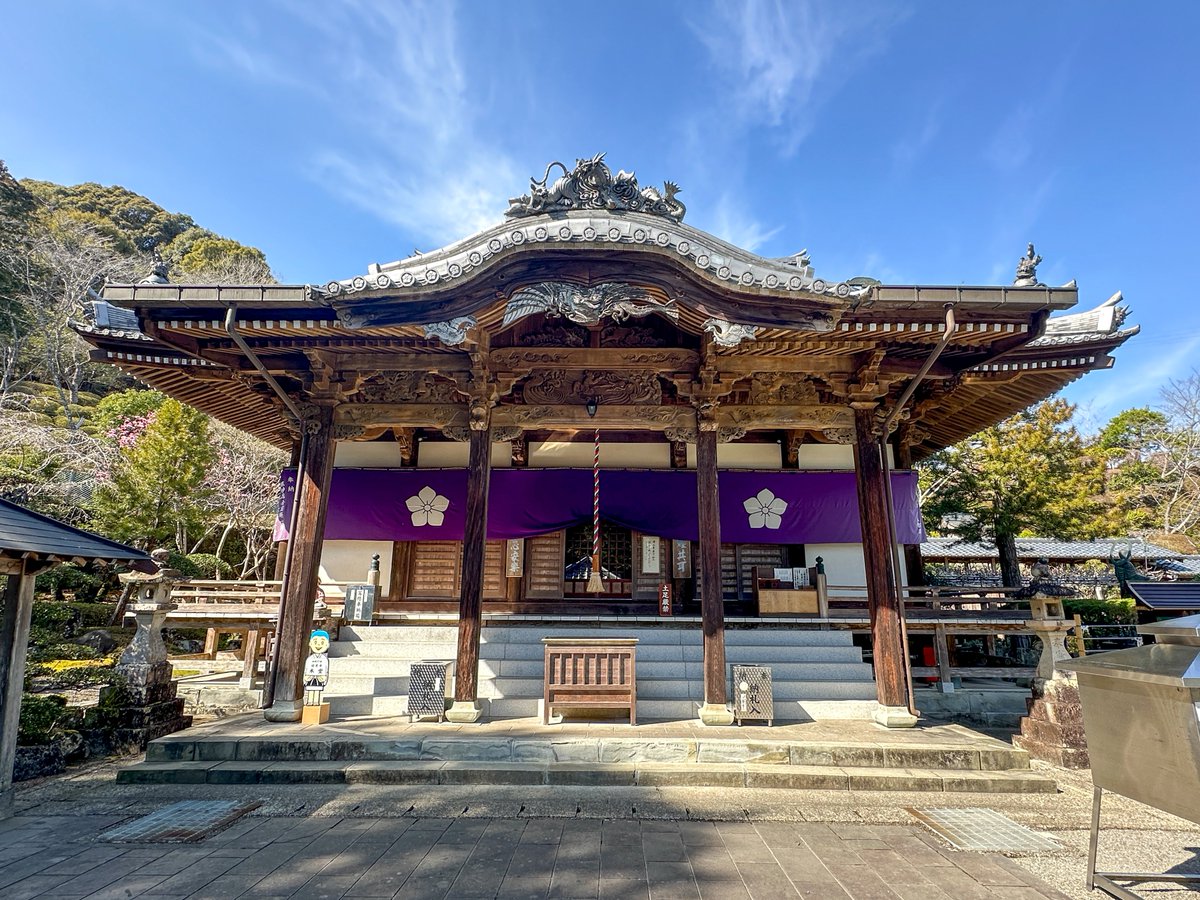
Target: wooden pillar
891 665
712 605
14 640
303 579
470 601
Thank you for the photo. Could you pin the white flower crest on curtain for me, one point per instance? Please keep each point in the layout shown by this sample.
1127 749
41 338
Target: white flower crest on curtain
765 509
428 507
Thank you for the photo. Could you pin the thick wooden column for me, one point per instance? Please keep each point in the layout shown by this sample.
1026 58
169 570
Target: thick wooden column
470 602
14 640
303 579
712 605
891 666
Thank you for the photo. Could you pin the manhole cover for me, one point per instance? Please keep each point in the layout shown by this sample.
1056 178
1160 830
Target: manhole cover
188 820
974 828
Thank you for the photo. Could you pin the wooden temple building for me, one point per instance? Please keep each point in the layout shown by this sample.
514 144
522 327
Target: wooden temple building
444 411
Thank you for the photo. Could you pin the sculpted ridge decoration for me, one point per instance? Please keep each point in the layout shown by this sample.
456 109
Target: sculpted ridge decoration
586 305
591 185
716 260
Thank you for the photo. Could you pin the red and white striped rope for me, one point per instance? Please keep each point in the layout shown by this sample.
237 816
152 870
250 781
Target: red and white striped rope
596 498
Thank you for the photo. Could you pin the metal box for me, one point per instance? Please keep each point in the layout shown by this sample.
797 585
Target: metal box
752 694
429 687
1141 717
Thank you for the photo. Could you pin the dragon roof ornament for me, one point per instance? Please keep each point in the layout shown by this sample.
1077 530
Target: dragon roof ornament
591 185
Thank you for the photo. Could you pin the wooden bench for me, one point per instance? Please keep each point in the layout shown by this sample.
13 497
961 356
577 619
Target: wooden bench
590 673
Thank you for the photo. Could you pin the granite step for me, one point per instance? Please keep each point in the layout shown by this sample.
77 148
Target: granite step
659 775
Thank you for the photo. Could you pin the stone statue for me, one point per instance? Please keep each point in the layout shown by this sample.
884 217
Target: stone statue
1126 571
1027 269
1042 583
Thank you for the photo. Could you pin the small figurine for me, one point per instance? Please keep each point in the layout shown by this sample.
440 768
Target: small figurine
316 668
1027 269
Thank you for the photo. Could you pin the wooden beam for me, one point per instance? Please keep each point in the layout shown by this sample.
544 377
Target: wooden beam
662 360
303 579
712 603
470 602
891 666
14 641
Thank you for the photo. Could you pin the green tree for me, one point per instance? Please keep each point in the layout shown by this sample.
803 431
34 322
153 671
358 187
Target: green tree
156 494
1028 475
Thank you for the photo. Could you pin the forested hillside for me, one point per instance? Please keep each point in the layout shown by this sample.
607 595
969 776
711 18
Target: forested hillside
86 444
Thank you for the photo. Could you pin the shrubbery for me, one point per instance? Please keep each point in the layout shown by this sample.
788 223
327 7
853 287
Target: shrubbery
41 715
1102 612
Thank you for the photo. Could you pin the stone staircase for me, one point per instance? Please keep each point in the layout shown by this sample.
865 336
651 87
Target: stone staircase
816 674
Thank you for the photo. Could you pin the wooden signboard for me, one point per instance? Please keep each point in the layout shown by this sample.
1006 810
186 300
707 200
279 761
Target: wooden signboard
514 558
651 558
360 602
681 559
664 599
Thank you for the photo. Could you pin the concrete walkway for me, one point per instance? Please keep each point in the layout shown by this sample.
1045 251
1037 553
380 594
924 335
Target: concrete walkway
415 859
419 840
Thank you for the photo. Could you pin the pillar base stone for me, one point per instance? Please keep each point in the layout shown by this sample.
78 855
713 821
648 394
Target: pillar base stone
6 802
464 712
284 711
716 714
894 717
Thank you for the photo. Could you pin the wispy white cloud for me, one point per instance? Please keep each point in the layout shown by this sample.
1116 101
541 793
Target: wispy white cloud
780 60
400 111
1142 383
1013 143
731 223
912 146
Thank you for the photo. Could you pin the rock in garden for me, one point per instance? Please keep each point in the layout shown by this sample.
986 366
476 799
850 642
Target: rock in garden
98 639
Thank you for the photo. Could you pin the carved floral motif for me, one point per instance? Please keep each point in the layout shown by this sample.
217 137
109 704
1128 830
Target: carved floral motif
629 336
408 387
768 388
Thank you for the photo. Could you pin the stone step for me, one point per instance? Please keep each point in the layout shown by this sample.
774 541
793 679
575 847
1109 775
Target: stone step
789 777
347 667
651 635
645 653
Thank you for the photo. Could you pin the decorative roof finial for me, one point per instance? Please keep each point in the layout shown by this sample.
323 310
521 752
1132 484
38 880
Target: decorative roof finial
591 185
1027 269
158 274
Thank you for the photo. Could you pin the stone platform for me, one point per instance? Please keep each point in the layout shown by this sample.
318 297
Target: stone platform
814 755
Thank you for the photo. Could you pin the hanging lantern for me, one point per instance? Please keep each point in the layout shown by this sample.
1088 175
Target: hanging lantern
595 583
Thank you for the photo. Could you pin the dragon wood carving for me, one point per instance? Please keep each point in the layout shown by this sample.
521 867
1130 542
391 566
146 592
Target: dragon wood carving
408 387
586 305
591 185
557 386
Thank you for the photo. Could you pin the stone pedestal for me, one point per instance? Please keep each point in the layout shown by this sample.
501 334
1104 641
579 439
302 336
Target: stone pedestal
1053 730
716 714
463 712
144 705
894 717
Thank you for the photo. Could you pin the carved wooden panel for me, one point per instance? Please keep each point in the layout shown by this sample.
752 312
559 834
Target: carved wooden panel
544 567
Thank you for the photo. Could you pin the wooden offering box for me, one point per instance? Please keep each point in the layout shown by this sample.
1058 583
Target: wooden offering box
780 597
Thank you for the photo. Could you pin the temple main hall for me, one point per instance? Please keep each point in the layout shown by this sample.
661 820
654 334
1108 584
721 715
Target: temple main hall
594 413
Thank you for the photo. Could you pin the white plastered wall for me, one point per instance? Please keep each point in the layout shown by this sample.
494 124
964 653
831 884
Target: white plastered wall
350 560
613 455
827 457
367 455
456 455
743 456
844 563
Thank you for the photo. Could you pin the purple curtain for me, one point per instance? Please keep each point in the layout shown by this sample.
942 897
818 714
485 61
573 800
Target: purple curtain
756 507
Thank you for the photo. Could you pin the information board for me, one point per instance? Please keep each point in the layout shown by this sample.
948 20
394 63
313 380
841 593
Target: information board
360 602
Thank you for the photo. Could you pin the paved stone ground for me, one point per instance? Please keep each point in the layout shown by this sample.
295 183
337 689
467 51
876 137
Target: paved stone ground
473 841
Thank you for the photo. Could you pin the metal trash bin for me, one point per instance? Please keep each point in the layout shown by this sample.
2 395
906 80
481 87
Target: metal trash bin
753 697
429 687
1141 718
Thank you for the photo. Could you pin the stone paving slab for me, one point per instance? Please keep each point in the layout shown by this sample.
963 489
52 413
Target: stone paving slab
494 858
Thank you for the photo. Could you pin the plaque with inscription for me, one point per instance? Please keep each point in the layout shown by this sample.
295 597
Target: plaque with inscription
360 602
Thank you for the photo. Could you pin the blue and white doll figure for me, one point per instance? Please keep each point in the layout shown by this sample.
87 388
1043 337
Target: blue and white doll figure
316 668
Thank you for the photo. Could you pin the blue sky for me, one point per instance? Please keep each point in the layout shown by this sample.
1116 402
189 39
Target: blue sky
923 142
